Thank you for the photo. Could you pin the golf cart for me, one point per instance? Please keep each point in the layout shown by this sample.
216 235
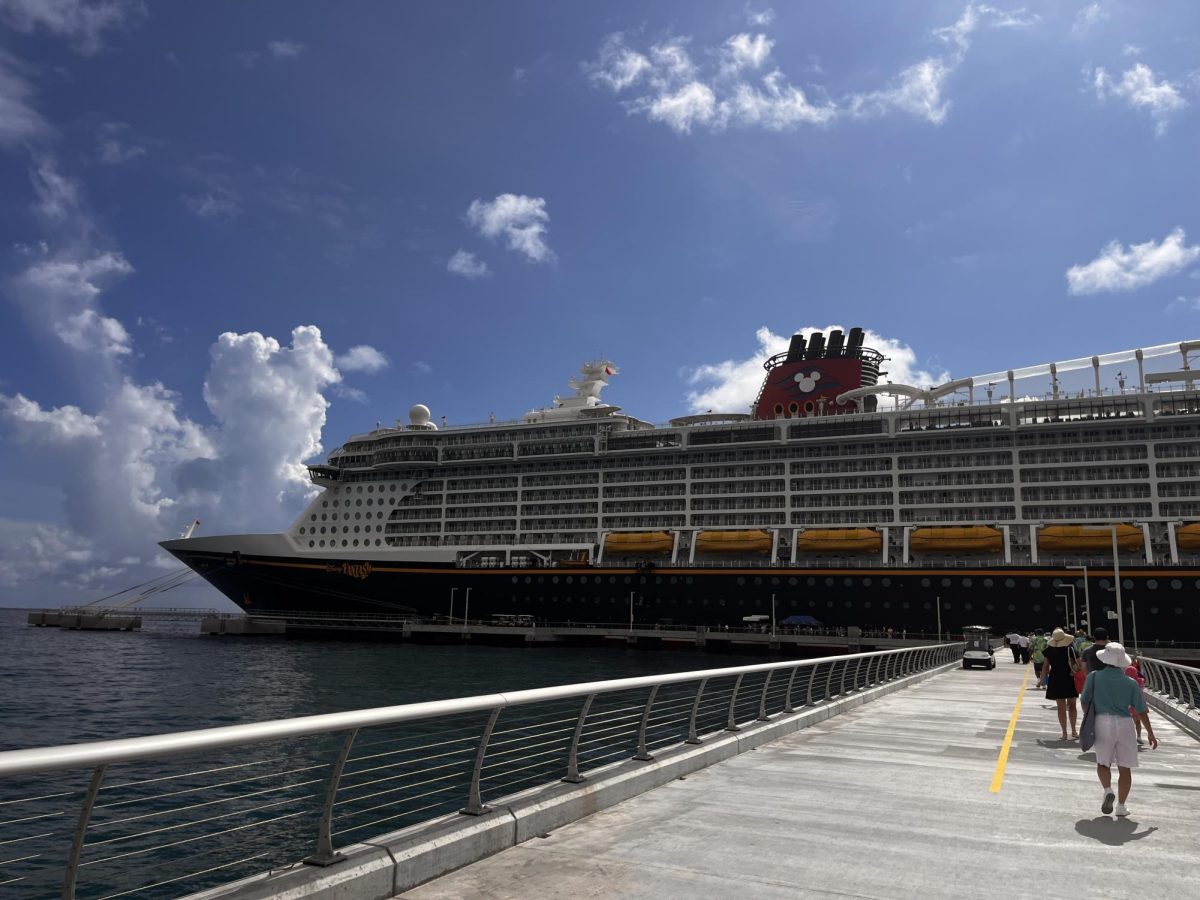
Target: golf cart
979 650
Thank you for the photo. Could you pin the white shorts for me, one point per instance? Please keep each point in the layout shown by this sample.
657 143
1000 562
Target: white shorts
1116 742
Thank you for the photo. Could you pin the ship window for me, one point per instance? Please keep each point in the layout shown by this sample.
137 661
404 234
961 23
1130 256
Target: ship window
311 543
867 582
344 542
886 582
811 582
323 517
848 581
370 488
324 502
967 582
792 581
1127 584
360 488
828 582
928 606
924 582
987 582
356 532
757 580
1035 582
688 580
1010 583
1179 610
570 579
945 582
302 529
966 606
358 502
1037 607
356 542
514 579
312 518
1176 584
905 605
1154 610
378 542
1152 584
741 581
866 604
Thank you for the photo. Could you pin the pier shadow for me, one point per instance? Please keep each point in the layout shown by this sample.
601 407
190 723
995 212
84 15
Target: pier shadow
1113 832
1057 743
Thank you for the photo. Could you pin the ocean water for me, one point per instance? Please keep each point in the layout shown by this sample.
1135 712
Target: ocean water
59 686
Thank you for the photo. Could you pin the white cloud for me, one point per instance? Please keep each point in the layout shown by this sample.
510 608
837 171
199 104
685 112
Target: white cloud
761 19
467 265
1190 304
34 550
1118 268
82 22
1140 89
666 85
363 358
519 219
1088 18
423 367
748 52
221 203
59 293
19 121
112 149
61 425
732 385
285 49
89 332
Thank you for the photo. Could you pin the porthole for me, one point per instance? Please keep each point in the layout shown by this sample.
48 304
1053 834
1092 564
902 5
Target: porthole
378 542
945 582
358 516
1012 607
848 604
811 582
829 603
905 605
312 518
866 604
322 529
359 488
987 582
1009 583
323 518
1127 584
302 529
1105 584
1179 610
793 581
1176 584
866 582
925 582
887 604
966 606
311 543
828 582
358 502
570 579
356 529
370 488
1035 583
628 579
741 581
687 580
356 542
928 605
886 582
1037 607
757 581
541 579
612 579
989 607
1154 610
774 582
642 579
345 543
847 582
966 582
554 579
325 503
529 579
321 544
674 579
1151 584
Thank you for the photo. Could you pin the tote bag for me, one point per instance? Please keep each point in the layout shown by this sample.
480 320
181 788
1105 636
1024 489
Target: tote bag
1087 731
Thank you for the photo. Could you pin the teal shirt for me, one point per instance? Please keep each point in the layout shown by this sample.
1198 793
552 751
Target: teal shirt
1113 692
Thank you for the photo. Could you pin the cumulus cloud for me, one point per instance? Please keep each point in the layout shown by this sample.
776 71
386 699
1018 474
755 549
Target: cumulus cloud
1120 268
363 358
82 22
520 220
1141 89
467 265
19 121
112 148
666 85
761 19
220 203
30 551
731 385
1088 18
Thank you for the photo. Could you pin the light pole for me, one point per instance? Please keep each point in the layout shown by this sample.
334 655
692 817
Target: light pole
1074 606
1117 585
1087 598
772 615
452 590
1066 606
467 611
631 593
939 617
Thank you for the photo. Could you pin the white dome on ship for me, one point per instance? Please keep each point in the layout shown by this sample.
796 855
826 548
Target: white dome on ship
419 416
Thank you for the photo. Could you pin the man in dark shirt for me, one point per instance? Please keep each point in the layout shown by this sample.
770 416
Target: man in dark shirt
1089 655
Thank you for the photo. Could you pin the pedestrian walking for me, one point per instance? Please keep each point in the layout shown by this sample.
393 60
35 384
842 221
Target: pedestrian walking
1114 696
1014 644
1058 668
1136 674
1037 652
1023 643
1099 639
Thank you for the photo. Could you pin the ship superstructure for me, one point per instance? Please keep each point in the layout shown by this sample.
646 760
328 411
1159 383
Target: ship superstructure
850 499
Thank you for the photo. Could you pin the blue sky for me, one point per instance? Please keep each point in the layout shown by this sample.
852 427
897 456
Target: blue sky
480 196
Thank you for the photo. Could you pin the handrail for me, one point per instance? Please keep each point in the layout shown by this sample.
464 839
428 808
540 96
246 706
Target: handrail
96 753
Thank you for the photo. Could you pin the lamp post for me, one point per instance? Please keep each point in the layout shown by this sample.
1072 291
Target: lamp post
1066 606
1117 585
1074 605
939 617
1087 598
631 593
772 615
467 611
452 590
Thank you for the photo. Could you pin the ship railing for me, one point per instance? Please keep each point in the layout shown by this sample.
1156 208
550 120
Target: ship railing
168 814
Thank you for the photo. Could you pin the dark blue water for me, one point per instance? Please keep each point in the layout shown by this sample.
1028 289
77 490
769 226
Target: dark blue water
60 686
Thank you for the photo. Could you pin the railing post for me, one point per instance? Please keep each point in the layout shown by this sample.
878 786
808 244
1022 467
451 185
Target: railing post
874 664
730 725
692 738
85 815
573 776
475 805
643 754
858 668
787 697
842 689
762 701
812 679
325 855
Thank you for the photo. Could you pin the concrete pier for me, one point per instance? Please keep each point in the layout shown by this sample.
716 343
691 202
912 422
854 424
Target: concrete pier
891 799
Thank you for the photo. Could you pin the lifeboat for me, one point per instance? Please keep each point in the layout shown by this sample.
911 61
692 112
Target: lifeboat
750 541
638 543
839 540
1187 537
965 539
1086 537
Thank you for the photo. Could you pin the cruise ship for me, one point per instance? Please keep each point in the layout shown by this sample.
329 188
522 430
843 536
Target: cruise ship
1031 497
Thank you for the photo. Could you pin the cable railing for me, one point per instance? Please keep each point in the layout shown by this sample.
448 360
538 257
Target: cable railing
1175 684
166 815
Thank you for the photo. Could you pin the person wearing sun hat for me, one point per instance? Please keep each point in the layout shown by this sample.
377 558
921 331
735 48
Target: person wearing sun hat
1115 695
1059 661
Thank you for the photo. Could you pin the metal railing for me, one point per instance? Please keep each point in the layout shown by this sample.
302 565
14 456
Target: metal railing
1180 685
169 814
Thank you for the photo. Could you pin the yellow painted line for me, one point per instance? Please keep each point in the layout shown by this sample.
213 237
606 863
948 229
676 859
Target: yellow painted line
1002 762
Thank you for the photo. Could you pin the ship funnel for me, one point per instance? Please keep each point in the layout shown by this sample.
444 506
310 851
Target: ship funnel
834 347
854 342
796 348
816 346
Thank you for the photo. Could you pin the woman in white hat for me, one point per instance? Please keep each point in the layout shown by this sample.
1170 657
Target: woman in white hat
1114 694
1057 669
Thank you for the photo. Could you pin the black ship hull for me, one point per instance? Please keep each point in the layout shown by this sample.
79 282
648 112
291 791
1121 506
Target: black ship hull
1163 600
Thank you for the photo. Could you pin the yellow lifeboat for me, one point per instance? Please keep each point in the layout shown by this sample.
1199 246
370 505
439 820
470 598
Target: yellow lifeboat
638 543
750 541
839 540
1085 537
965 539
1187 537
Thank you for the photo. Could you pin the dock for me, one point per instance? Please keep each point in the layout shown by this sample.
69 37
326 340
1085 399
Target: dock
891 799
